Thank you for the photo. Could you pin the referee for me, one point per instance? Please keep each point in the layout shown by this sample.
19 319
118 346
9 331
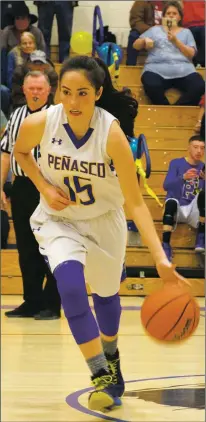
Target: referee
38 302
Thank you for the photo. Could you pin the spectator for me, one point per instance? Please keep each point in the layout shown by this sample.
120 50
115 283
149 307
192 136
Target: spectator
3 123
37 61
194 19
170 52
185 201
6 10
22 20
19 54
143 15
5 92
64 15
24 199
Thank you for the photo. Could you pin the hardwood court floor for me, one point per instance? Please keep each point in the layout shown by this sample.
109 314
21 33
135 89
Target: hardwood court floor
45 379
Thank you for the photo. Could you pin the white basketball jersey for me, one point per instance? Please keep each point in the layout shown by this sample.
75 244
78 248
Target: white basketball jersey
81 168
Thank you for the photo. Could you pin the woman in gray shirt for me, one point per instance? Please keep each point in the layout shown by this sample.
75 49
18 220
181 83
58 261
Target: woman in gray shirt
169 62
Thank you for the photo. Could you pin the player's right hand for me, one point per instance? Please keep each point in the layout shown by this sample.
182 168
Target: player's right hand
3 199
190 174
56 198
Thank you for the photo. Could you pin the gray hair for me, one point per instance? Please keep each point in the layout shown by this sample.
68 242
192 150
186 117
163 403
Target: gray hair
36 74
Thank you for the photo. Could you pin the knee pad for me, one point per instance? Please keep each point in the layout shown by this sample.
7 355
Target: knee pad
72 288
201 203
170 211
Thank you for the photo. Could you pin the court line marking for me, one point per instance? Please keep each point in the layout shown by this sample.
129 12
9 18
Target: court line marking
124 308
73 399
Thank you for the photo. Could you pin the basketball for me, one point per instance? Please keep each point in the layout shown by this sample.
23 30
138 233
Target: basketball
170 314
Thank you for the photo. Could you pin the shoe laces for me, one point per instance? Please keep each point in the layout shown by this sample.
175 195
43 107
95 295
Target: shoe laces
101 382
112 364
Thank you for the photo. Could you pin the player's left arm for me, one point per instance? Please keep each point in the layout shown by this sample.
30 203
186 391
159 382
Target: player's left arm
119 150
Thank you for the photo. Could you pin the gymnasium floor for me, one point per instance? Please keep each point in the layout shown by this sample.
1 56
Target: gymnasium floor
44 377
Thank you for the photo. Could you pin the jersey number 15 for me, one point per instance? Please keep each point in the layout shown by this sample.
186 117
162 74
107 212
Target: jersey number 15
78 189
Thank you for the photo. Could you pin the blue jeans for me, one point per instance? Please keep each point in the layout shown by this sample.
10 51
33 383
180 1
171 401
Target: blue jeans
64 15
5 100
199 36
131 52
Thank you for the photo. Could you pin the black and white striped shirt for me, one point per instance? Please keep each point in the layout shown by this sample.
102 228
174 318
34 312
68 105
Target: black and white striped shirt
11 132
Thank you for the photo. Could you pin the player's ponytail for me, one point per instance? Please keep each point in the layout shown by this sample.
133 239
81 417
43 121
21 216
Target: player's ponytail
118 103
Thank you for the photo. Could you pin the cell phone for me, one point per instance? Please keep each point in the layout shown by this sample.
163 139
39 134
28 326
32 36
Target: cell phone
203 169
169 22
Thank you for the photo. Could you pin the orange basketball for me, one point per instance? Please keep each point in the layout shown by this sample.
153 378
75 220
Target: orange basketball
170 314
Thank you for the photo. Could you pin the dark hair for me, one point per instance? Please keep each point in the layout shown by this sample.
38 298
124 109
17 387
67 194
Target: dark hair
178 6
196 138
118 103
93 72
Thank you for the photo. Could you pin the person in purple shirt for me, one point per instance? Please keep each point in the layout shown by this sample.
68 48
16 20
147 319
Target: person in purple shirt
185 200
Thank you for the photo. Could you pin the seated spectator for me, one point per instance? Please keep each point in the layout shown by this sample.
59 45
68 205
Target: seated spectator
194 19
3 122
185 201
22 21
19 55
5 92
36 61
169 63
143 15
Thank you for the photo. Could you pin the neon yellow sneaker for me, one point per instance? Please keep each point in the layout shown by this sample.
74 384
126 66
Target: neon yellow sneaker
105 396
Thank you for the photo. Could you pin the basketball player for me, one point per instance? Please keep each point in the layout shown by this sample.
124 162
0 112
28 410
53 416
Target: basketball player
80 223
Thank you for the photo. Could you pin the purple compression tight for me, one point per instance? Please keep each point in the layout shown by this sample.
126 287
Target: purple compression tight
108 312
72 290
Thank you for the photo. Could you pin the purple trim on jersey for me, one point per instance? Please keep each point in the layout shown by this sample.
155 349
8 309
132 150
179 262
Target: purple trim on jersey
78 143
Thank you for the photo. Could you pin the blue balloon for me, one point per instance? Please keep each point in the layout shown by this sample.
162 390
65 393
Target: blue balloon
137 149
133 145
106 51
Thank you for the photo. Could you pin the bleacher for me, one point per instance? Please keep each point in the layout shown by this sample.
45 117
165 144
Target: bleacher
167 130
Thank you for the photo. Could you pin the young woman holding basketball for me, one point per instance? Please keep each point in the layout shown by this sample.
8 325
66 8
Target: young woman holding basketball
80 223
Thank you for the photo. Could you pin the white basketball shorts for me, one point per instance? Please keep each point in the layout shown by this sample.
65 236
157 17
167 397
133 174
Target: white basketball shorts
188 214
99 244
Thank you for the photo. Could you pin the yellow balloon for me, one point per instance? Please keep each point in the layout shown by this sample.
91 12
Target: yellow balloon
81 42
